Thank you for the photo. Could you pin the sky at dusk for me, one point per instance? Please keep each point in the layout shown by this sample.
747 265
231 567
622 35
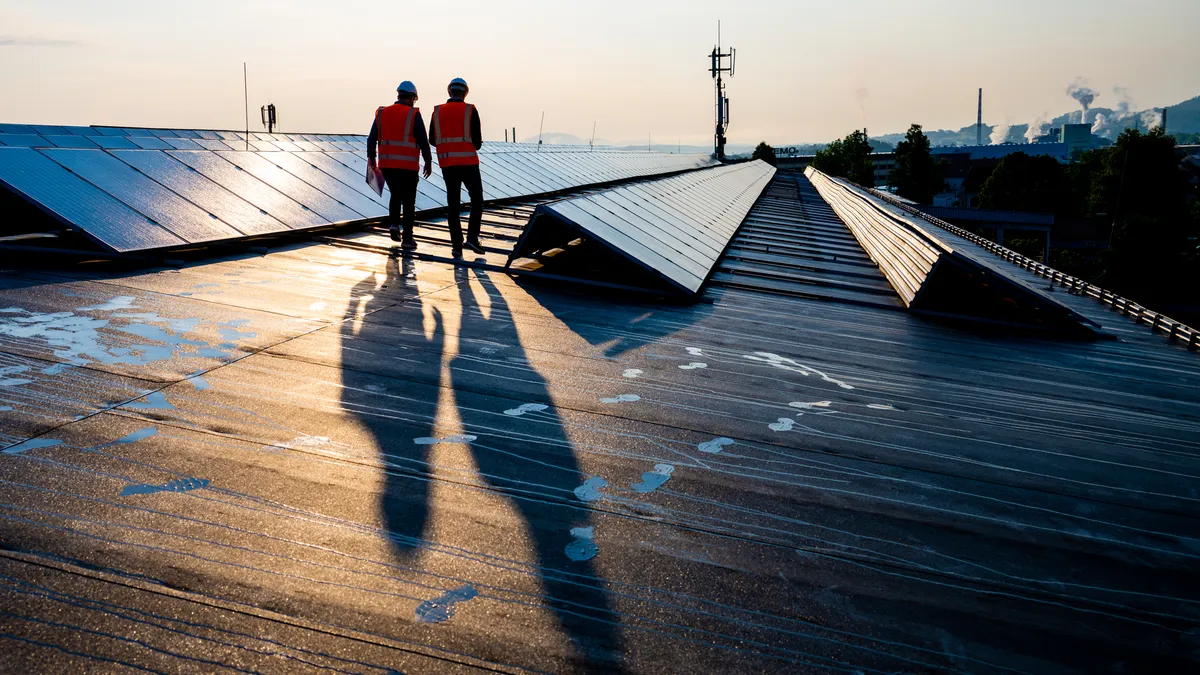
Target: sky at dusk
806 70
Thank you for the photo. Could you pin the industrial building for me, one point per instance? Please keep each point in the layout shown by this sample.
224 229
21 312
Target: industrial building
680 416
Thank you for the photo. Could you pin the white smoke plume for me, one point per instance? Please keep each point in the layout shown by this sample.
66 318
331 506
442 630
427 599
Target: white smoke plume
1079 91
1036 128
1151 119
860 97
999 133
1110 125
1124 101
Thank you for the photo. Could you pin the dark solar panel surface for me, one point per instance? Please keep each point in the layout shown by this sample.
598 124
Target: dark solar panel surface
295 180
675 227
181 217
190 184
79 203
327 207
279 205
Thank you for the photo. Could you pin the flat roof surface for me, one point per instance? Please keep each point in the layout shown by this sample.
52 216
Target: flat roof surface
328 459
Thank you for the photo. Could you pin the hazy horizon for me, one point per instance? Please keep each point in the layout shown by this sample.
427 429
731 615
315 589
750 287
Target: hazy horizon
807 71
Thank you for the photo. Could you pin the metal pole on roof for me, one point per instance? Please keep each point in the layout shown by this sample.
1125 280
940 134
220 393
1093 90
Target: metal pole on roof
540 126
592 143
246 93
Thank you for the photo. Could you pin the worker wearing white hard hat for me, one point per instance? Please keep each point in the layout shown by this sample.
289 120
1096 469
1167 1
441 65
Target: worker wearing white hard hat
399 132
457 132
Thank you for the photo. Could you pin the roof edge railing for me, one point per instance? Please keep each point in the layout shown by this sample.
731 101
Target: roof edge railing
1175 330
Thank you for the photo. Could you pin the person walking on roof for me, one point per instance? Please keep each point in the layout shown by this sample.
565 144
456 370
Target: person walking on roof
455 130
400 133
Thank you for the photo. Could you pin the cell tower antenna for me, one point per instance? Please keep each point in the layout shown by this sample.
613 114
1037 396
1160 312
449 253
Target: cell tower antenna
246 93
717 67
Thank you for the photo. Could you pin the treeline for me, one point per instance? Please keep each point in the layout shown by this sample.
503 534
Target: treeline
917 175
1137 193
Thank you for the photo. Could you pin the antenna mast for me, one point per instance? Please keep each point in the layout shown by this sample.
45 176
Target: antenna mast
246 93
716 68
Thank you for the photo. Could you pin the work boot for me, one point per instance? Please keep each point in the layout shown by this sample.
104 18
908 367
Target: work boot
394 232
456 252
475 246
409 244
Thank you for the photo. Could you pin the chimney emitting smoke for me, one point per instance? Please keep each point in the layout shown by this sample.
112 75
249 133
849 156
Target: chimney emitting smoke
979 120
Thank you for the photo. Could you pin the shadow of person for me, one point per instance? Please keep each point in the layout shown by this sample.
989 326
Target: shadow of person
525 472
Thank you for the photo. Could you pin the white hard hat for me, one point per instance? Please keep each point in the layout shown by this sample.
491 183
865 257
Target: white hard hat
407 87
459 83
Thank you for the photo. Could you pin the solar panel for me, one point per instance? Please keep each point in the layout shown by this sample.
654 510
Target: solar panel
70 141
524 183
16 129
525 168
23 140
203 185
190 184
78 203
657 224
82 131
183 218
49 130
534 167
113 142
298 165
183 144
150 143
345 174
431 192
323 205
282 207
213 144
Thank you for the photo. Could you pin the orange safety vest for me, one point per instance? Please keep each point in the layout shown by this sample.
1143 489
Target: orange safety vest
397 148
452 149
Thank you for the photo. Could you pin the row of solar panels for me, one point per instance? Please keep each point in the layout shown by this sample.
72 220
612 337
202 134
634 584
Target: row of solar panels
128 138
138 199
676 227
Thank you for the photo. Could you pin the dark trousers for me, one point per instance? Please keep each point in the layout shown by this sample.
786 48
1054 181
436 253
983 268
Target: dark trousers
403 185
456 177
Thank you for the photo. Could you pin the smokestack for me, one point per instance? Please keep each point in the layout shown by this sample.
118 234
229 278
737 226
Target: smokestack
979 120
1164 120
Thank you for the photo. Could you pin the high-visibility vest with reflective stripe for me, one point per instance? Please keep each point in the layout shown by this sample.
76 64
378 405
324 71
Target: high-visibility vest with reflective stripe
397 147
452 122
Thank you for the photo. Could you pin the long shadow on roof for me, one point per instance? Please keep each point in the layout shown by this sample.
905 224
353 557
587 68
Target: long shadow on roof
463 459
